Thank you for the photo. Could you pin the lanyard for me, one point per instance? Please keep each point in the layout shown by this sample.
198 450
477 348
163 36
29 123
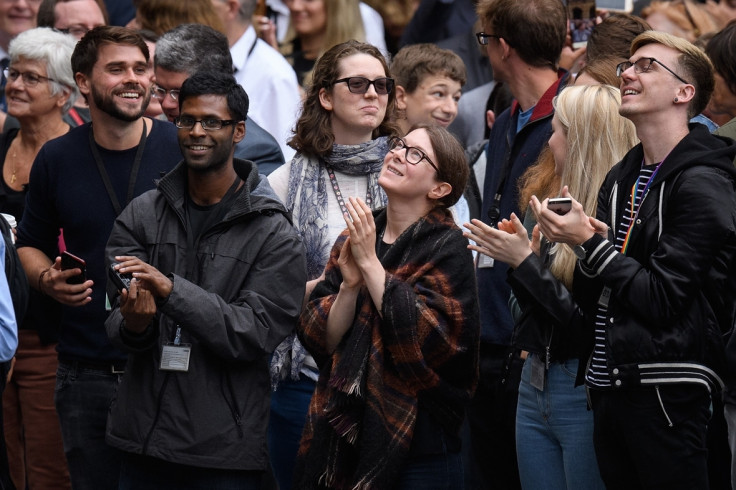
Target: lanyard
494 212
644 192
133 172
338 194
192 241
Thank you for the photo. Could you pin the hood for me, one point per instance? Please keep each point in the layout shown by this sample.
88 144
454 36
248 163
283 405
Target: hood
699 147
257 195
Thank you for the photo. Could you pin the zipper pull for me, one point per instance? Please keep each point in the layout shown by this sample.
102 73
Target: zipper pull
546 358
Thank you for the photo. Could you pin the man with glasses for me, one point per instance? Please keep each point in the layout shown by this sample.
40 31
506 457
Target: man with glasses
189 48
524 41
200 321
80 182
655 273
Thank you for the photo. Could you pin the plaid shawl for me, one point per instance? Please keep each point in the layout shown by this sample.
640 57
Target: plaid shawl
361 418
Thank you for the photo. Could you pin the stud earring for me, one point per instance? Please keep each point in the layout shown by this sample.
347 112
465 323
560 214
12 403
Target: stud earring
676 100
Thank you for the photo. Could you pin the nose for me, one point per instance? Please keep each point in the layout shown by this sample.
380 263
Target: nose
371 92
197 130
449 106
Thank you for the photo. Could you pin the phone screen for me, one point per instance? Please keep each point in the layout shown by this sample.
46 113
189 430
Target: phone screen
71 261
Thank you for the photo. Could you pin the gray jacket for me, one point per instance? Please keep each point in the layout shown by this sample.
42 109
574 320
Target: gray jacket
234 307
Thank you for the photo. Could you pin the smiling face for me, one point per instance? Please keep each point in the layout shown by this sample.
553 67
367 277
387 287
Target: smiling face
308 17
169 80
17 16
408 182
653 90
433 102
120 83
208 150
36 101
353 117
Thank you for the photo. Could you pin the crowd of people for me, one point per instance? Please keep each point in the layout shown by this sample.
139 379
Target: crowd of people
308 244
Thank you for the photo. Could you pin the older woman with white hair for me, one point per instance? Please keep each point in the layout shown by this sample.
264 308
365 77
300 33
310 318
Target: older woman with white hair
40 89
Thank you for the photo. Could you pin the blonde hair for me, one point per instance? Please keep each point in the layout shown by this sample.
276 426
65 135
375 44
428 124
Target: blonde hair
597 138
343 22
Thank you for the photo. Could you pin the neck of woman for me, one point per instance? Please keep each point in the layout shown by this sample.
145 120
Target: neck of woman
401 214
312 44
33 133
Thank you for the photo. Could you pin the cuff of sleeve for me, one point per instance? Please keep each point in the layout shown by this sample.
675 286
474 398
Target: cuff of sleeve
136 340
598 253
162 301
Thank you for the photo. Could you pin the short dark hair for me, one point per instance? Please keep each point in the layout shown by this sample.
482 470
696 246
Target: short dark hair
721 50
189 48
412 64
86 52
536 29
217 83
452 166
46 16
613 36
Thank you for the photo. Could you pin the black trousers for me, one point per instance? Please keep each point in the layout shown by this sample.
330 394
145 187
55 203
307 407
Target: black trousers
652 437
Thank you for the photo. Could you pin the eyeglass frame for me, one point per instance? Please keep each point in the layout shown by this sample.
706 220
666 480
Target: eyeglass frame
22 75
81 29
390 84
223 123
620 68
392 146
482 37
172 92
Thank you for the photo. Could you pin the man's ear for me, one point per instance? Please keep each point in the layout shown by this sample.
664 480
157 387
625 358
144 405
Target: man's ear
82 83
440 190
400 97
505 49
325 99
685 93
239 132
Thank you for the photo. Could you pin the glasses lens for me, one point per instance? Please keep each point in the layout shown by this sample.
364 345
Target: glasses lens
358 85
31 79
395 143
414 156
642 65
158 92
482 38
174 94
622 67
184 122
212 124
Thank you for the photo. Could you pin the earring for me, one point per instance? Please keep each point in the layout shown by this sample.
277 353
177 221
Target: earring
676 100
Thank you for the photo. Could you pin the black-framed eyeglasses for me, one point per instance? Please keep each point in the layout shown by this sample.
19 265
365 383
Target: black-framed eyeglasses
30 79
359 85
208 124
159 92
643 65
413 155
483 37
77 30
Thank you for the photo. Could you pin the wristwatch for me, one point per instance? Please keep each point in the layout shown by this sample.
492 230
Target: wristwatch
579 252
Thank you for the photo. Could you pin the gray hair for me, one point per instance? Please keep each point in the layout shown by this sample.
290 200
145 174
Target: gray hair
189 48
53 48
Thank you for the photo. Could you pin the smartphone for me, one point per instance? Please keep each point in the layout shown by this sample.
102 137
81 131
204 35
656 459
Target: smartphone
70 261
121 281
581 16
560 205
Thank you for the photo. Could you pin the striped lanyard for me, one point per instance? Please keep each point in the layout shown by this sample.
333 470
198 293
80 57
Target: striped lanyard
633 214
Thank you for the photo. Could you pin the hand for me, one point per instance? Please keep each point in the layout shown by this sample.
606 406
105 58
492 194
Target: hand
572 228
490 119
600 227
137 307
362 230
266 30
509 244
148 276
352 277
536 240
53 283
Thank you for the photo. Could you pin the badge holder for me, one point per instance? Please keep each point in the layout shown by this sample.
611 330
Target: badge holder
175 355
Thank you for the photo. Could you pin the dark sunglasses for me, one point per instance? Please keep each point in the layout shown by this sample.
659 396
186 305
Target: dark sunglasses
359 85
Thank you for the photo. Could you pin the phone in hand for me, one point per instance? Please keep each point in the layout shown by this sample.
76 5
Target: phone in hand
121 281
71 261
560 205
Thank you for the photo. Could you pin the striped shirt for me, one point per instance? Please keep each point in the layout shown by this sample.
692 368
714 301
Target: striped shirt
597 375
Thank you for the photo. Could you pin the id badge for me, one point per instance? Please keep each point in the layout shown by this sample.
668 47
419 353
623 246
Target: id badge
175 357
484 261
604 297
538 372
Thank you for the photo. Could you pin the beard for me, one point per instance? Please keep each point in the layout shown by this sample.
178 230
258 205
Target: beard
106 103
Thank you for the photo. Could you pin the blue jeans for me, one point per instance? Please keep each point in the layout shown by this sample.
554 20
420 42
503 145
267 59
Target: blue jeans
146 473
82 400
433 472
289 406
554 432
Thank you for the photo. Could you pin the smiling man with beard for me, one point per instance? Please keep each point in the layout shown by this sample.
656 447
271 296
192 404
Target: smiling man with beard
218 277
80 183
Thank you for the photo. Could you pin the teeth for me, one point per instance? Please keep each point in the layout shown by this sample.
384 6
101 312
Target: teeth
129 95
394 171
630 92
198 147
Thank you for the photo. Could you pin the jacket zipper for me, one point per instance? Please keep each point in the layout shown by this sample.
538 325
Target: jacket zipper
659 397
158 413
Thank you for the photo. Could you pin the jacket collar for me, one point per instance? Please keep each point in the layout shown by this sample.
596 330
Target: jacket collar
544 107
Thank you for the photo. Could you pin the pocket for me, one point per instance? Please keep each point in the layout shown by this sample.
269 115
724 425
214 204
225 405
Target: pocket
64 378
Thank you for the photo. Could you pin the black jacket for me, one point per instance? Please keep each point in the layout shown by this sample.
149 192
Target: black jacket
672 294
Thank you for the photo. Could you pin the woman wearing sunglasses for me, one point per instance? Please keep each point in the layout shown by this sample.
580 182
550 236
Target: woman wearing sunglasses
394 326
340 139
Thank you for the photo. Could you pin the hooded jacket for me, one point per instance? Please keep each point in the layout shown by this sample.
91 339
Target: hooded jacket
234 306
671 294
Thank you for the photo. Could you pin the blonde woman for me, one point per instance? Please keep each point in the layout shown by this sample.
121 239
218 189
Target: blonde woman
554 428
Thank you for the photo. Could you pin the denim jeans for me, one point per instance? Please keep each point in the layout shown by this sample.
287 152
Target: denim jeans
554 432
82 400
289 406
146 473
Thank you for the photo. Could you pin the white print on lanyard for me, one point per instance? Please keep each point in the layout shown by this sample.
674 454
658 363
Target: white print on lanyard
175 357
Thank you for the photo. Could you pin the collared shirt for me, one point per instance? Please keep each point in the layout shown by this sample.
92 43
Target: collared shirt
8 326
271 84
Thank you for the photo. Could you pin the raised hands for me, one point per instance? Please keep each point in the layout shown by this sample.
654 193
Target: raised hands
509 243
